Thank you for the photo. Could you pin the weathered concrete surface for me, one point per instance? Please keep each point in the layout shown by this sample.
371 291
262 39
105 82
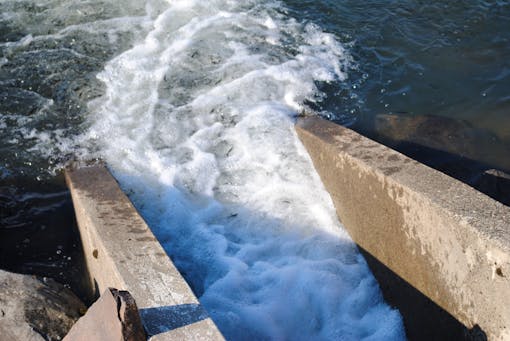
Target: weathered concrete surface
33 309
446 239
122 252
113 317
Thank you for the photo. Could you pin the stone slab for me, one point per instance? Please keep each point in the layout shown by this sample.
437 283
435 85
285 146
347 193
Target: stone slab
113 317
122 252
446 239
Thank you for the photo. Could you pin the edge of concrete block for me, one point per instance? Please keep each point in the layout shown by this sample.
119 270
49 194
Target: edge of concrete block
122 252
449 241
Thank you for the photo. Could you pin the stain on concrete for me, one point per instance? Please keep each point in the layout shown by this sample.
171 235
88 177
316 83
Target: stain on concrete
393 158
390 170
136 231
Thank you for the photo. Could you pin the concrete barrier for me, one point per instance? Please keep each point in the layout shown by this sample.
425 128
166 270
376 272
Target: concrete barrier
121 252
444 238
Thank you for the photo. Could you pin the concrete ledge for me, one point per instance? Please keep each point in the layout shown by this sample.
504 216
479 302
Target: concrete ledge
449 241
121 252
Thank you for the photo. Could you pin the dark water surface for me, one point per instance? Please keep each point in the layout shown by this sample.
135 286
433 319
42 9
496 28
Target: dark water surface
50 52
445 58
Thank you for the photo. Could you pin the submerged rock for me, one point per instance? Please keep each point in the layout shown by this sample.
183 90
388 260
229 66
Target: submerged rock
457 137
35 309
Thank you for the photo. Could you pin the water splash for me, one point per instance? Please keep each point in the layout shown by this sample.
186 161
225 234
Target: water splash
197 125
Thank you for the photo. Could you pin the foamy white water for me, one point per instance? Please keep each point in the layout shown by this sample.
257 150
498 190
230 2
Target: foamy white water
197 125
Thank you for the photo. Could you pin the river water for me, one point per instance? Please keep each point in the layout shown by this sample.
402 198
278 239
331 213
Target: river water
192 106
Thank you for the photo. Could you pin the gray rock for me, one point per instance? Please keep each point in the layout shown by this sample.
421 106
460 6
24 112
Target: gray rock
36 309
496 184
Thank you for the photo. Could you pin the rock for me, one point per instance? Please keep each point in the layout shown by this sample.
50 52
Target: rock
35 309
496 184
113 317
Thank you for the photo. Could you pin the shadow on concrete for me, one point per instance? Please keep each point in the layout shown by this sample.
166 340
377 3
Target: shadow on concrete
160 320
423 319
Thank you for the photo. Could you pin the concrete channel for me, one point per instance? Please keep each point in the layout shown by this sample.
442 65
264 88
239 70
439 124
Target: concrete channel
441 237
121 252
442 242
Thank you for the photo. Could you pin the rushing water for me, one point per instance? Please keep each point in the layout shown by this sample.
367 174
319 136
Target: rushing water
196 123
192 105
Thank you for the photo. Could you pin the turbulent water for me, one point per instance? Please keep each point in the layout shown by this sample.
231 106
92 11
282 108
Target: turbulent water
50 53
197 124
192 106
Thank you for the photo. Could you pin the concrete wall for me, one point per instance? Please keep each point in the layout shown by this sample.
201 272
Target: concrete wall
121 252
447 240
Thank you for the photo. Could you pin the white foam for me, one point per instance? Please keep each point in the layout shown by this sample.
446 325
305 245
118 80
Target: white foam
43 87
197 125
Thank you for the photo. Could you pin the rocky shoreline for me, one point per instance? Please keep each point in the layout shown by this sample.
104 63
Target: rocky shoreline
33 308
